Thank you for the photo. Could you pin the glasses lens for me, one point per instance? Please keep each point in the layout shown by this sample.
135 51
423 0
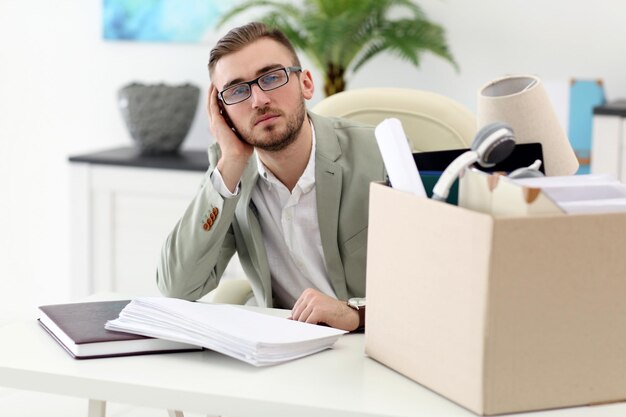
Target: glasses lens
236 93
273 80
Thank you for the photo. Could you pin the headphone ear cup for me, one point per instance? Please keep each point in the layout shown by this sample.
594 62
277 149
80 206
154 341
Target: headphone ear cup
520 173
486 131
531 171
493 143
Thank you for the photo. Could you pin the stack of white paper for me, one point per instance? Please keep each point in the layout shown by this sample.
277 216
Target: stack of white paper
593 193
252 337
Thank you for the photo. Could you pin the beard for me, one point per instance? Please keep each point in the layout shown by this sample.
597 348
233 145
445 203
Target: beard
274 139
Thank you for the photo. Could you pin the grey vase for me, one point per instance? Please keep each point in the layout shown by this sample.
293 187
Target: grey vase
158 116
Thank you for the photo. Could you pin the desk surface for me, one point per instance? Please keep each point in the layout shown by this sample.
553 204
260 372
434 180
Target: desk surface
337 382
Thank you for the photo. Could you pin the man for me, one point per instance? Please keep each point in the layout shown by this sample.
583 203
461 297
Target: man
288 190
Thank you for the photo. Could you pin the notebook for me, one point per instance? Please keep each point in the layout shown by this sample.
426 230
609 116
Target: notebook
79 329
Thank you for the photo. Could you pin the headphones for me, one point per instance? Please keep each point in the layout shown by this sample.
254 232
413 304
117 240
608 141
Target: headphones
491 145
531 171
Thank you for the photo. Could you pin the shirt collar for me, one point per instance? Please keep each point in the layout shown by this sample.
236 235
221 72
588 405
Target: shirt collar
305 182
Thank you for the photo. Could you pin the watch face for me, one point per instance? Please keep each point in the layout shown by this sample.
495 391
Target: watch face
356 302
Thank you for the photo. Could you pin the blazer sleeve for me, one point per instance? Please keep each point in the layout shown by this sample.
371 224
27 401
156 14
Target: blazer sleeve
198 249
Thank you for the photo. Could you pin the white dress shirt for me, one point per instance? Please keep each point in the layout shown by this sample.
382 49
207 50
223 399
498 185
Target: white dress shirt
291 232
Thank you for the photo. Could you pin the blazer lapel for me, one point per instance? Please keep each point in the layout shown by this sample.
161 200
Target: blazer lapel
328 179
251 232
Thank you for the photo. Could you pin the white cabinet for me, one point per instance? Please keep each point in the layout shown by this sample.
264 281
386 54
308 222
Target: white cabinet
120 217
608 151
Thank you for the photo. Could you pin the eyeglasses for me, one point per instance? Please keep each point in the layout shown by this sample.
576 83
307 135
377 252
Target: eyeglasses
266 82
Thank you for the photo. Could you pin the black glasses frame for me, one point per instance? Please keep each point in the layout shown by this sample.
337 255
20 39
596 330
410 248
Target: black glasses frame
287 71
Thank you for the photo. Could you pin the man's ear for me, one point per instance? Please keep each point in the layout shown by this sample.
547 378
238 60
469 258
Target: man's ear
306 84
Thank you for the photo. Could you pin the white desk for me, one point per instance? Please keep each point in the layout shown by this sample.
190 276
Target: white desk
338 382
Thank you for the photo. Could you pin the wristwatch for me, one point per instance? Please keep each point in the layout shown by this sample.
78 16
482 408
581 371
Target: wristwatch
359 305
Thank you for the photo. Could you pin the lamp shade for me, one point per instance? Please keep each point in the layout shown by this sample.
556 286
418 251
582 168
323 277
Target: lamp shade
522 102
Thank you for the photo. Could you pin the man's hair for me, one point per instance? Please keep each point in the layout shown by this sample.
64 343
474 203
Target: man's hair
240 37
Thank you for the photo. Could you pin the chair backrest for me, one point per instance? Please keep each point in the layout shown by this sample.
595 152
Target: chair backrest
431 121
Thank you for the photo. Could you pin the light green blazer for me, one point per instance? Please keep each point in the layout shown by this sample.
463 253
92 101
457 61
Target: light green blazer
212 228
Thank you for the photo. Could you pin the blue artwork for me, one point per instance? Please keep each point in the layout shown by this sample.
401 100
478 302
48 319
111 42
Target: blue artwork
584 96
161 20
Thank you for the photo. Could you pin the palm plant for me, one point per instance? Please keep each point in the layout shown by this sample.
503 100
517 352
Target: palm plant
340 36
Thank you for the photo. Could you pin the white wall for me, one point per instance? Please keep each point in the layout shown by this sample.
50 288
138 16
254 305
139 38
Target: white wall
58 82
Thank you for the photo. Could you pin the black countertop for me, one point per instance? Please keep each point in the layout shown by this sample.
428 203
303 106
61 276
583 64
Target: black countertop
130 157
617 108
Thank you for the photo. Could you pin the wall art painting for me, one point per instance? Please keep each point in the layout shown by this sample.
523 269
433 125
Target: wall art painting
161 20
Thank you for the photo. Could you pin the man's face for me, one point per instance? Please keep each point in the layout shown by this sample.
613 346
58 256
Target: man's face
268 120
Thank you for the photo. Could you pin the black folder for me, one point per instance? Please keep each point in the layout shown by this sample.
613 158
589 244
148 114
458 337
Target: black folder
522 156
432 164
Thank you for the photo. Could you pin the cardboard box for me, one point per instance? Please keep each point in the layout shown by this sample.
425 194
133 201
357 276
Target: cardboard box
502 314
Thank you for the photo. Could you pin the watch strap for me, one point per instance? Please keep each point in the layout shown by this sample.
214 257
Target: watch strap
361 311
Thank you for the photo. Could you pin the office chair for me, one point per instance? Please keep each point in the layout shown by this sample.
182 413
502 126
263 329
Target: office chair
231 291
431 121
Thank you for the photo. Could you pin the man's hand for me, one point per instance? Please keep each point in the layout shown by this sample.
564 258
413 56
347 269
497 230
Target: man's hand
316 307
235 152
